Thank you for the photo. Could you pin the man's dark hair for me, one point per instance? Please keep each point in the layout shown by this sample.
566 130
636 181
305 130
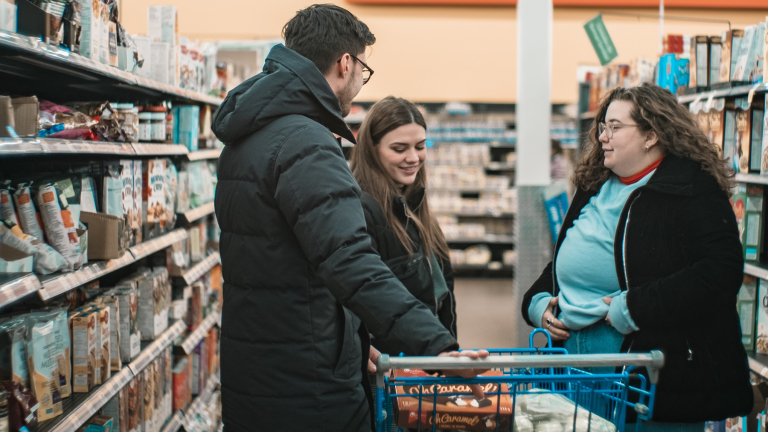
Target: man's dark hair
325 32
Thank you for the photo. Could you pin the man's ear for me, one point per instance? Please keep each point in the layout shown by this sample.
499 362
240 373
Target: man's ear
343 66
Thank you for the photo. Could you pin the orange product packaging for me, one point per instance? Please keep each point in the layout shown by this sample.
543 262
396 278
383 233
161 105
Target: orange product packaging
453 412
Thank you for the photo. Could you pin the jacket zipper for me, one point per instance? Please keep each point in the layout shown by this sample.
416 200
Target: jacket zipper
624 240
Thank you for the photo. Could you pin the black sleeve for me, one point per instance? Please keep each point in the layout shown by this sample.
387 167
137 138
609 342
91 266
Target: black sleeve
448 310
542 285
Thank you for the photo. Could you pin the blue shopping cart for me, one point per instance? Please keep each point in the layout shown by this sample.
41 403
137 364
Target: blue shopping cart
529 387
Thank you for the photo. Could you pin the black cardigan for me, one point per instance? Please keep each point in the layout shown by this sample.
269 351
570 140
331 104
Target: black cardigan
413 271
684 268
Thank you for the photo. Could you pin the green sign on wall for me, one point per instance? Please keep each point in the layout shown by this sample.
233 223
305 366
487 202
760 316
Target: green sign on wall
601 40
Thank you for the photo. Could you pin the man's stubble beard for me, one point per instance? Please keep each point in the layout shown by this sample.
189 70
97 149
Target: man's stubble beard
346 95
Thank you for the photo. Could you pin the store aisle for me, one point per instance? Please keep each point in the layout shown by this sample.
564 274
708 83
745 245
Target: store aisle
485 312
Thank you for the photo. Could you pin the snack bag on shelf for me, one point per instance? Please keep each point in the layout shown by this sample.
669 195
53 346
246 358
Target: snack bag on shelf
14 351
45 260
62 349
60 228
7 212
44 373
29 218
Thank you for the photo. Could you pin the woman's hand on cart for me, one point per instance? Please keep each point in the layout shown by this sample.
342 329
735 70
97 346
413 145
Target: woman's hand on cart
477 390
554 326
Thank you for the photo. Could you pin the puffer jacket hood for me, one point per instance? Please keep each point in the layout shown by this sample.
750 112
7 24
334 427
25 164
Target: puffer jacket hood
289 84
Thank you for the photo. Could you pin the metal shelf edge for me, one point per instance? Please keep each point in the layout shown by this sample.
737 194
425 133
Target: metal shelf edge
61 283
193 274
19 288
204 154
199 212
752 178
758 367
175 423
94 402
200 400
151 352
755 270
158 243
147 149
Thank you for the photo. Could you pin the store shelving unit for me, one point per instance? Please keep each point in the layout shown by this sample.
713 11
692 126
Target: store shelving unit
488 239
175 423
198 404
79 407
31 67
53 146
48 70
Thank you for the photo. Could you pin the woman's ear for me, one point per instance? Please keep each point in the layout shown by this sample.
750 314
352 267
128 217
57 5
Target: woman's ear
651 139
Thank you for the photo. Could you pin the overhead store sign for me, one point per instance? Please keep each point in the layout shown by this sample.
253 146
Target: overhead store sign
601 40
698 4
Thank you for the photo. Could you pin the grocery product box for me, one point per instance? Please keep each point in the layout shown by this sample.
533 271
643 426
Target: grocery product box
761 343
747 205
716 123
154 296
163 26
8 15
746 305
90 33
180 387
138 203
117 409
159 53
731 41
745 55
135 403
452 412
103 351
148 380
699 75
756 137
130 335
153 197
99 423
715 46
84 352
186 125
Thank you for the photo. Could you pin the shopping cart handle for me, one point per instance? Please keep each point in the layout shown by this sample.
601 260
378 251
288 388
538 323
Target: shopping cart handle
653 360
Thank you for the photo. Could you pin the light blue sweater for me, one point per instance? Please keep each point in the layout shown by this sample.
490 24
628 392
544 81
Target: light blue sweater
585 266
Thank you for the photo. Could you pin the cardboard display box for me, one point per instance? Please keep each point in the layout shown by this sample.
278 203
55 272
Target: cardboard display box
106 235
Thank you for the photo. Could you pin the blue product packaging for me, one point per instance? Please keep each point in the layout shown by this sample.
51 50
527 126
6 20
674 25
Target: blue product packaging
556 205
186 125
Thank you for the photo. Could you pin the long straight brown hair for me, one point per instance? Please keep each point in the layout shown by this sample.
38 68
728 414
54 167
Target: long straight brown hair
385 116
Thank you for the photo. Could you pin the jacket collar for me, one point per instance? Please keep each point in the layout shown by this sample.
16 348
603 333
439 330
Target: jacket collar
675 175
413 202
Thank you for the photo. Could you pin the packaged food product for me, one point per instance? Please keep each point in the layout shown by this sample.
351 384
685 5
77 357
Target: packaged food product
137 201
90 37
135 403
60 228
453 412
113 303
22 406
182 188
29 218
103 351
117 409
148 379
44 373
7 211
98 423
126 176
45 259
171 185
154 291
63 347
180 387
199 368
13 351
130 335
158 373
153 192
84 351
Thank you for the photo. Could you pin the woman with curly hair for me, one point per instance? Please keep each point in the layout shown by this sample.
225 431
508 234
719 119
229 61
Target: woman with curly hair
649 258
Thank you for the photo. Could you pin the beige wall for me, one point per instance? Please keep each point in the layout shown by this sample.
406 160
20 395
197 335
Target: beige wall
434 54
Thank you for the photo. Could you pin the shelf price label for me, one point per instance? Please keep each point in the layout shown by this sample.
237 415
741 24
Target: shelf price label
601 40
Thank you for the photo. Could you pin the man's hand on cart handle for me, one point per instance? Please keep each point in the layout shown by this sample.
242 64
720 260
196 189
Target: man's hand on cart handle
554 326
373 357
467 373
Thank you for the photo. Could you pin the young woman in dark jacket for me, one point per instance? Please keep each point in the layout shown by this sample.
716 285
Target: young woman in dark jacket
649 257
388 163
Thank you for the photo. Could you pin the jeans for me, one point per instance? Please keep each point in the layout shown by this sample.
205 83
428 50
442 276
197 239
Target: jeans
601 338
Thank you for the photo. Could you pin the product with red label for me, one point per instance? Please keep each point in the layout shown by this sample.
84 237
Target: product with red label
29 218
60 228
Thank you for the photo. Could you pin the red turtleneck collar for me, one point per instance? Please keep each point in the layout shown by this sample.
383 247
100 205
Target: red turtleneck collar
637 177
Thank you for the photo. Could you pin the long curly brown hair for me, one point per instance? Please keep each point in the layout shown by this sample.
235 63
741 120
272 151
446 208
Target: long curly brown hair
654 109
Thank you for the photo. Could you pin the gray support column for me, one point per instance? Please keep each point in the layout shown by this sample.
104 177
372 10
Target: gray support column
533 118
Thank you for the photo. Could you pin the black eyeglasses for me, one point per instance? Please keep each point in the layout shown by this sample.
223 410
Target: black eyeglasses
367 71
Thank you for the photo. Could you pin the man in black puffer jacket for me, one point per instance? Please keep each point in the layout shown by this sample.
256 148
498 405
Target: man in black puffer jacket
298 264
